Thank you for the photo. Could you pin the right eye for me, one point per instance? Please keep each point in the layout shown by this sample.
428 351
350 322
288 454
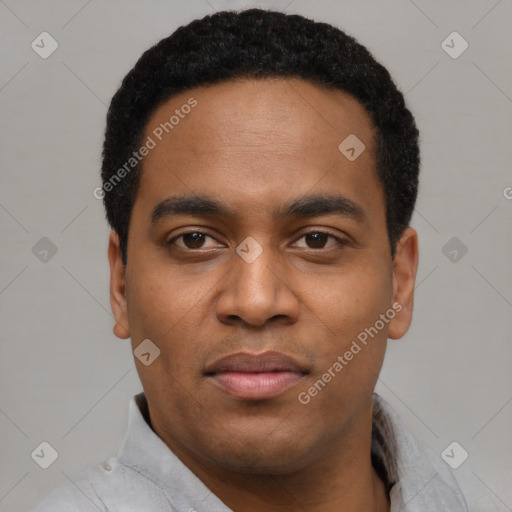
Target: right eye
191 240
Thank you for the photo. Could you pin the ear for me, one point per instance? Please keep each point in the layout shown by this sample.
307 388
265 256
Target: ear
405 265
117 288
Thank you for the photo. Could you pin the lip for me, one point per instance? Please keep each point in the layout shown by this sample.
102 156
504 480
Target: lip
256 376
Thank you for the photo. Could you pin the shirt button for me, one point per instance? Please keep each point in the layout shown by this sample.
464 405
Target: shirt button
106 467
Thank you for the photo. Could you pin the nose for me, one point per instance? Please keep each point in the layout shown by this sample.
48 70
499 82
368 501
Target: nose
257 291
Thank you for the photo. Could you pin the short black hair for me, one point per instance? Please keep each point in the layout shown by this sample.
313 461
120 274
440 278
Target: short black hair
258 43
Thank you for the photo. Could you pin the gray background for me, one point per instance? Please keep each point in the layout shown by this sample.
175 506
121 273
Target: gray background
66 379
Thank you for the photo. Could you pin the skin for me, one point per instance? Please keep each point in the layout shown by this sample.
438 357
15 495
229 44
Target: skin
255 145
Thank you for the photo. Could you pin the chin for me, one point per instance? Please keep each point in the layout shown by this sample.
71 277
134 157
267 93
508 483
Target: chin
265 457
264 464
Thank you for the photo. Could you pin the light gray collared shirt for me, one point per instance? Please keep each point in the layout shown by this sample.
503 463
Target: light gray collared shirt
146 476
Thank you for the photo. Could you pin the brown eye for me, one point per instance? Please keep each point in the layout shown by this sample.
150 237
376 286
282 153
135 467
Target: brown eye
191 240
318 239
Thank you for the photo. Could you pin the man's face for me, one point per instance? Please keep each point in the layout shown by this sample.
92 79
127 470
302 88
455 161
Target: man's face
294 288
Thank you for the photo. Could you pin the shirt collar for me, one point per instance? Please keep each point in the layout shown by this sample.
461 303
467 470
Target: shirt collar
143 451
415 478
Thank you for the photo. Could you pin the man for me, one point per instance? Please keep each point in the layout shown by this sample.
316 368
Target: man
259 173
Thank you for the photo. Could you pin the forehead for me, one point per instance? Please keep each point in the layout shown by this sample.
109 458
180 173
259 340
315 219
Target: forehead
250 142
273 111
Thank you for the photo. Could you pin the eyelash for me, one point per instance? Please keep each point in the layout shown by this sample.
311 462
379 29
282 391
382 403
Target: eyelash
340 241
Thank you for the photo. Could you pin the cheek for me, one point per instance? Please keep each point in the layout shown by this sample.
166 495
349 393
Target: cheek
356 300
159 304
351 311
349 365
168 308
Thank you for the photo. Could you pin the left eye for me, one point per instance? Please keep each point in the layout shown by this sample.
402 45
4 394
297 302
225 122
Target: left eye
319 239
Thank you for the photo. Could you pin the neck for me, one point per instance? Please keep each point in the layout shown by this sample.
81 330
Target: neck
358 489
342 478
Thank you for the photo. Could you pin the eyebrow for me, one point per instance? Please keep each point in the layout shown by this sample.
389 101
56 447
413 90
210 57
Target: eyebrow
307 206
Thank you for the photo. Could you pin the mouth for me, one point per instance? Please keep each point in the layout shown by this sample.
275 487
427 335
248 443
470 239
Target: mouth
255 376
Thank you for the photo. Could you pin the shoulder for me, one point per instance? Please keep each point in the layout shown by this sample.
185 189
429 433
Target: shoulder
74 495
478 495
107 486
421 479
